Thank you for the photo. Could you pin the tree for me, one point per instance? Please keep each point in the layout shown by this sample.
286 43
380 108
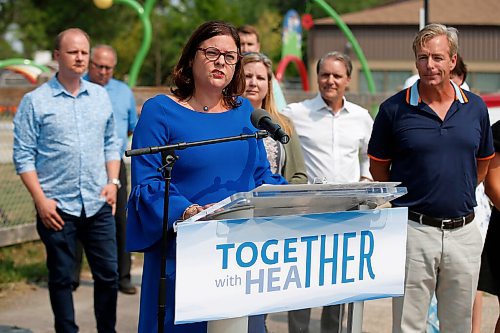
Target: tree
42 20
173 22
172 26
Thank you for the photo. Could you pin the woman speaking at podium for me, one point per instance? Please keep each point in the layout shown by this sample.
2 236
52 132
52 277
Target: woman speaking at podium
206 103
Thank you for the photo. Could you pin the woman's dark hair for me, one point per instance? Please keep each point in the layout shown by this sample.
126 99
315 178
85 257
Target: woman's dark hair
460 68
182 75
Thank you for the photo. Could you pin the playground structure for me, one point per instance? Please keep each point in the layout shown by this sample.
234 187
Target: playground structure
292 53
27 68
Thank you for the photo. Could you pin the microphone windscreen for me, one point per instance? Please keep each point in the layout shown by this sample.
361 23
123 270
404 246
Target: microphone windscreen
257 115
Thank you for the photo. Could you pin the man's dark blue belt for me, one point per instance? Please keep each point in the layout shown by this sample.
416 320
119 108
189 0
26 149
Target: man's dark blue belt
442 223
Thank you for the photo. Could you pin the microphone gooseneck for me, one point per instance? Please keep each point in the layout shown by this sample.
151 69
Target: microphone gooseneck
262 120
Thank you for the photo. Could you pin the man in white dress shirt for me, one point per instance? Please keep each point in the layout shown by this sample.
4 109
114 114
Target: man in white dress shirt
334 135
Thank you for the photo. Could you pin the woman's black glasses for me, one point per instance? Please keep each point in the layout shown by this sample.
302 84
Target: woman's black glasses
213 53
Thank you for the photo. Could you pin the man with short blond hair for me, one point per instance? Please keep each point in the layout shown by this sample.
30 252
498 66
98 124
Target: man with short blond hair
435 138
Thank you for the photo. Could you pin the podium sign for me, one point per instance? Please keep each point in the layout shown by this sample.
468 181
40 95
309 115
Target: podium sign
246 266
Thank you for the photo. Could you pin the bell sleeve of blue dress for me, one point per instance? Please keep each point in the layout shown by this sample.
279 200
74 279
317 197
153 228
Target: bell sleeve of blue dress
145 205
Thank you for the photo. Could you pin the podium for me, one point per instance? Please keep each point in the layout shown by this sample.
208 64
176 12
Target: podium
285 231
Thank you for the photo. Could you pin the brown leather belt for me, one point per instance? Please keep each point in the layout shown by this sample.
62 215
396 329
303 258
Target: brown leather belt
442 223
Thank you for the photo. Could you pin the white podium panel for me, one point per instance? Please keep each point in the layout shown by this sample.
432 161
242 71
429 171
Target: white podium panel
282 248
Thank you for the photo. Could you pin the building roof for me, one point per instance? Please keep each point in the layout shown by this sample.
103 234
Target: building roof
406 12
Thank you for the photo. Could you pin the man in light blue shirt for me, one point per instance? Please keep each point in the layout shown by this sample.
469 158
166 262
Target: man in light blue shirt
67 154
103 60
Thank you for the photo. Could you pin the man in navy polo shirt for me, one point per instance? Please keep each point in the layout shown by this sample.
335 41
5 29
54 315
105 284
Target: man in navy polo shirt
435 139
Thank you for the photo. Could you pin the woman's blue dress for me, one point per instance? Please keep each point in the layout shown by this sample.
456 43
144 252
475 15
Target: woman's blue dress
202 175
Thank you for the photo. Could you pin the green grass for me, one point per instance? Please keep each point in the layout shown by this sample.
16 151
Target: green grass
23 263
16 205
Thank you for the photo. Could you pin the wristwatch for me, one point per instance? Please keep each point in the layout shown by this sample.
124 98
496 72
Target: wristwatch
115 181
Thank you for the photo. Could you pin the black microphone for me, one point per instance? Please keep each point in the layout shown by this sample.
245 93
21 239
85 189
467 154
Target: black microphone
262 120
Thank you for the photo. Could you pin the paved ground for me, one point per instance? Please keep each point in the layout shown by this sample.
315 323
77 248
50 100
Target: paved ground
26 309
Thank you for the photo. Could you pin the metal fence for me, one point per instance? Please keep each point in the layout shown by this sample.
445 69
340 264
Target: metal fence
17 212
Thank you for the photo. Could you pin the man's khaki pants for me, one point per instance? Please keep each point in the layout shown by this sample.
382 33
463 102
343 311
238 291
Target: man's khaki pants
445 262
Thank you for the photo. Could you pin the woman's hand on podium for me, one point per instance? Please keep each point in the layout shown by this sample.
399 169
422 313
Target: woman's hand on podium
194 209
191 211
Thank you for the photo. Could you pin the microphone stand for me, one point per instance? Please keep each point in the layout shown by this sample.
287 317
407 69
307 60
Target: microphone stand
168 159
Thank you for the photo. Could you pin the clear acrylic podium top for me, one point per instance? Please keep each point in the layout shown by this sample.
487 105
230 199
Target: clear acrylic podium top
279 200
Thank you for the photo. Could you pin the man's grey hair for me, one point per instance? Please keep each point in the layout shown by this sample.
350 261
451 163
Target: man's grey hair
105 47
342 57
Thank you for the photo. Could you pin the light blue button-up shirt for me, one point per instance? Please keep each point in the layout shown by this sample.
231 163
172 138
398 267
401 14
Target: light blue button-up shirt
123 102
67 140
